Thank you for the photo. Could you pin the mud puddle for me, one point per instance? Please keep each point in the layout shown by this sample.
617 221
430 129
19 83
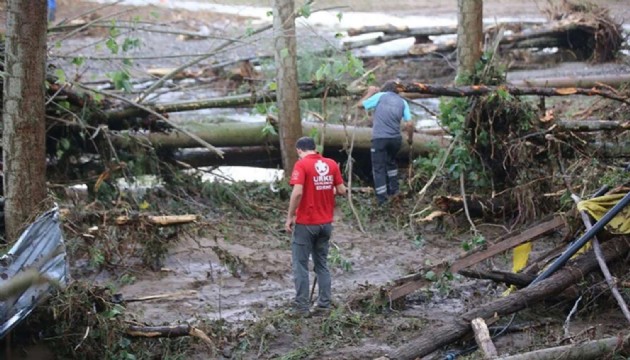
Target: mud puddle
240 276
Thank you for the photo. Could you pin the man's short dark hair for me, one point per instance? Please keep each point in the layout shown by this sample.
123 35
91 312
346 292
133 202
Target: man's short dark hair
391 86
305 143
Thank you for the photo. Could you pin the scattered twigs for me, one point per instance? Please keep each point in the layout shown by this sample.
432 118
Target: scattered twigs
349 172
163 118
463 192
162 296
567 321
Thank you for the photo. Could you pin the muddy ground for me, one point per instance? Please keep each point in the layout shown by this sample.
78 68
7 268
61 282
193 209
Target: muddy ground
239 269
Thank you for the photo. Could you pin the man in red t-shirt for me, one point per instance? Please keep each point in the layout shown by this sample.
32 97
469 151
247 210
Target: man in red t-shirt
315 181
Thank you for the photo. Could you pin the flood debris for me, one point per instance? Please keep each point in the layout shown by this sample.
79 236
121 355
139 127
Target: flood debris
432 339
584 29
33 267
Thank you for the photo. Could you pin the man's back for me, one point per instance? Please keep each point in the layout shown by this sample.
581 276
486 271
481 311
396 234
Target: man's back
319 176
389 111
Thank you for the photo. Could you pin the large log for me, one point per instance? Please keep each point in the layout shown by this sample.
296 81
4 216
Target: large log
307 91
479 90
434 337
583 81
612 347
253 134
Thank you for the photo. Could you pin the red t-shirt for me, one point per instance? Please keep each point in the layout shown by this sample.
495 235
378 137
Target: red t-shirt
318 176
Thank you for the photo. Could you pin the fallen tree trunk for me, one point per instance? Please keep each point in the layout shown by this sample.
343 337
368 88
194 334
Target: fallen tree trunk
585 81
616 346
434 338
257 156
307 91
479 90
592 125
253 134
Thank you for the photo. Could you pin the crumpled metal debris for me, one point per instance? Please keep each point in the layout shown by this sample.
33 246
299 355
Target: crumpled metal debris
40 247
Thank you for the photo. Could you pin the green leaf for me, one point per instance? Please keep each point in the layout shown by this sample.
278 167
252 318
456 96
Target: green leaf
64 143
130 43
273 86
269 13
112 45
284 53
61 76
121 81
114 31
430 275
339 16
338 35
268 129
78 61
305 10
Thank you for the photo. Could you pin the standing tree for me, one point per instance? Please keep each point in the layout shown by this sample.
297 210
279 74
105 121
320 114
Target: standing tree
24 131
286 76
469 36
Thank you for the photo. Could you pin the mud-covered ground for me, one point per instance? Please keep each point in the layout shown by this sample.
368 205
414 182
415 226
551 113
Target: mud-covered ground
239 268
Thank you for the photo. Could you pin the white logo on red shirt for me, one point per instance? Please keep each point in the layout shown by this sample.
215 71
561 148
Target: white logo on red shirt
321 168
323 181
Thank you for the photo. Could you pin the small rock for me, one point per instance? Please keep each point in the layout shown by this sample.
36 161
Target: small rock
270 330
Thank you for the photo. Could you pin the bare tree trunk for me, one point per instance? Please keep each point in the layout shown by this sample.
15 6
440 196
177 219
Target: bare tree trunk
469 36
290 128
24 133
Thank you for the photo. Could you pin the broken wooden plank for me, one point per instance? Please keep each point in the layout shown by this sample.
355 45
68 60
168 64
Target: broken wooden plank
163 296
408 284
510 242
162 220
483 339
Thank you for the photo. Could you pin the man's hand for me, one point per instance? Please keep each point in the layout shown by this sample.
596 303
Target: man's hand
288 225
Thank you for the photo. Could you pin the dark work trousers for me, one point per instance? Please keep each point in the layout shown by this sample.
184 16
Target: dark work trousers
384 167
307 240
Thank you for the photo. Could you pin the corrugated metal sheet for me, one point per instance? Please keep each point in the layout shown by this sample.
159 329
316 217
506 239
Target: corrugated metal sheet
41 247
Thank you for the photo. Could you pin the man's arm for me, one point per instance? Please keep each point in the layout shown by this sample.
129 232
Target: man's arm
370 91
341 189
296 196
